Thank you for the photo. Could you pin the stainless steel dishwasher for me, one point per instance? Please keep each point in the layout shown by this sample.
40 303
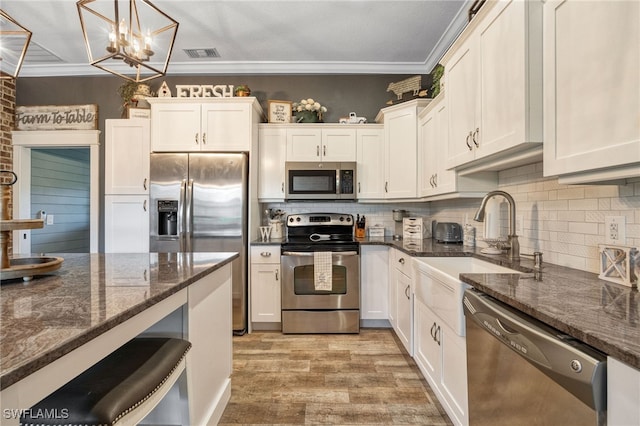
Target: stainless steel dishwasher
523 372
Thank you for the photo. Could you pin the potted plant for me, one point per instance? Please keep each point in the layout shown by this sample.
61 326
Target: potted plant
132 93
436 74
308 111
242 90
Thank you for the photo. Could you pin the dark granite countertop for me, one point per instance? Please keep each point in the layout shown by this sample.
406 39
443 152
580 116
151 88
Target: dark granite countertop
46 318
602 314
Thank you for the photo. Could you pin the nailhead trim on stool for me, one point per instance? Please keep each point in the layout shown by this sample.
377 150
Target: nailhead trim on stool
112 388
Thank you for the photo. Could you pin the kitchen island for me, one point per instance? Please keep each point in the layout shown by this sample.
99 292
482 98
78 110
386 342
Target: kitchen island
56 326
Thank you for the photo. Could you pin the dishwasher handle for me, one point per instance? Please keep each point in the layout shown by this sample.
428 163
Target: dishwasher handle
578 368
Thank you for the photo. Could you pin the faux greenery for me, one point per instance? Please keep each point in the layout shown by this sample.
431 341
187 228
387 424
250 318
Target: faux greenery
436 74
127 90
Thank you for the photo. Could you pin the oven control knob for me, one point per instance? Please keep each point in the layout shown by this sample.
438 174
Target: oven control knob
348 218
341 219
298 219
291 219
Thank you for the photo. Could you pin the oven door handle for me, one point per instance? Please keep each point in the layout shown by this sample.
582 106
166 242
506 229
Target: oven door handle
299 253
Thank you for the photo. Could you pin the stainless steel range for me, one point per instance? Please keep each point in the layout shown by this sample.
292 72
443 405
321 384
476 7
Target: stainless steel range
320 274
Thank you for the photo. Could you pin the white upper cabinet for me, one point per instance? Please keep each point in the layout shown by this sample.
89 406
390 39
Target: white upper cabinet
203 124
591 90
126 157
370 151
272 143
434 180
493 80
401 143
321 143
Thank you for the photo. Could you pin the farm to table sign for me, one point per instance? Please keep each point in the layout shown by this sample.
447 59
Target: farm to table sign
57 117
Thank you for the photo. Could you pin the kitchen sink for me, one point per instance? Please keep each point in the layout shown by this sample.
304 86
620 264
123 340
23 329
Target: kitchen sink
438 285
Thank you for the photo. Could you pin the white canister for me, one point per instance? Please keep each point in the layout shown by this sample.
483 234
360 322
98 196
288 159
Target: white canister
276 228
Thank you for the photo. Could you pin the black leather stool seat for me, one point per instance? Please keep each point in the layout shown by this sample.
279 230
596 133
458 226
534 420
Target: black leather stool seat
113 387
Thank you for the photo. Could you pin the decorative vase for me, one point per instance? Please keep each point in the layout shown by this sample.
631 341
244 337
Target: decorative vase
307 117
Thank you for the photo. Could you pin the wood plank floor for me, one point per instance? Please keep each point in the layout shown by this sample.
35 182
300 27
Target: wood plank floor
343 379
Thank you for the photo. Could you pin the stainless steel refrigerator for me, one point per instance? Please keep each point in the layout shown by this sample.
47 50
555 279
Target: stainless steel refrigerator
199 203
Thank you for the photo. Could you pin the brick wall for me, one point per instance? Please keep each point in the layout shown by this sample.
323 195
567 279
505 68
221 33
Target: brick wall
7 113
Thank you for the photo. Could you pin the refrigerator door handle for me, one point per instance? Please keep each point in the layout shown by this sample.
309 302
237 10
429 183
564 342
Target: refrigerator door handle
181 212
189 213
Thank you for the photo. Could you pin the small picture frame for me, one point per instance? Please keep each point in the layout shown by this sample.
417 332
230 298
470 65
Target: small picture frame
138 113
279 111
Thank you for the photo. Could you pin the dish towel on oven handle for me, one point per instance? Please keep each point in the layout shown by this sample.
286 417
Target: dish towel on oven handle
322 271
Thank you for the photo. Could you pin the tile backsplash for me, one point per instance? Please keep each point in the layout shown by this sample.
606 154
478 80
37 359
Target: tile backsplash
564 222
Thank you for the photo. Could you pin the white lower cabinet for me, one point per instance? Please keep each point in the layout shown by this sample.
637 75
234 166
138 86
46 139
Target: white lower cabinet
623 394
126 224
439 351
374 285
401 297
265 284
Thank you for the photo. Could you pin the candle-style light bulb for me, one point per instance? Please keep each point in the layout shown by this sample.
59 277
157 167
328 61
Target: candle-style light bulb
112 47
122 29
147 40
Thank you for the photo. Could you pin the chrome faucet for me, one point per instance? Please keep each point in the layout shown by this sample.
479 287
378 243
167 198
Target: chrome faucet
512 246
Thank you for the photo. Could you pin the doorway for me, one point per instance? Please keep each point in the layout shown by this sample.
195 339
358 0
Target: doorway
83 143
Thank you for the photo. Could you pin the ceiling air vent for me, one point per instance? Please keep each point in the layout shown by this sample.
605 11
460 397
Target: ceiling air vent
202 53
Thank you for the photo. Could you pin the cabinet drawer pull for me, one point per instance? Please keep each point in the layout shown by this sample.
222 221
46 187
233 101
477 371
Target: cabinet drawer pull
359 189
196 138
324 150
204 138
406 293
265 254
433 333
386 187
435 180
282 187
474 137
144 184
277 275
144 205
468 144
317 150
438 335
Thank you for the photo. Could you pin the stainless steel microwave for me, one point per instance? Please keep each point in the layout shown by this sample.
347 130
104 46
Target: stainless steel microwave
320 181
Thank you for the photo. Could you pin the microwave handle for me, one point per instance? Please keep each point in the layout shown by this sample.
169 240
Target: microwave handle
338 189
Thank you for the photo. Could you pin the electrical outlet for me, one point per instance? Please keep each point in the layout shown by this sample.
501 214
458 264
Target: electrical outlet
49 219
614 230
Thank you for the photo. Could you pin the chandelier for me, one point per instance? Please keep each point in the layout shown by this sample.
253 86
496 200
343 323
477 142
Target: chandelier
14 39
129 38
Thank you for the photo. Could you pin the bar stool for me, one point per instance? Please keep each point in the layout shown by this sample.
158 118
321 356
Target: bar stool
119 390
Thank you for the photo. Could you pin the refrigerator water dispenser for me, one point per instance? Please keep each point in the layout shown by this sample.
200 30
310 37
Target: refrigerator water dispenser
167 217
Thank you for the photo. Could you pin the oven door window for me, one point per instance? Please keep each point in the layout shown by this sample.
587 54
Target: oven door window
303 281
312 182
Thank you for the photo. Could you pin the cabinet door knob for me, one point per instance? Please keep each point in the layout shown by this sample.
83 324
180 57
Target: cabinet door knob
265 254
401 260
474 137
468 144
